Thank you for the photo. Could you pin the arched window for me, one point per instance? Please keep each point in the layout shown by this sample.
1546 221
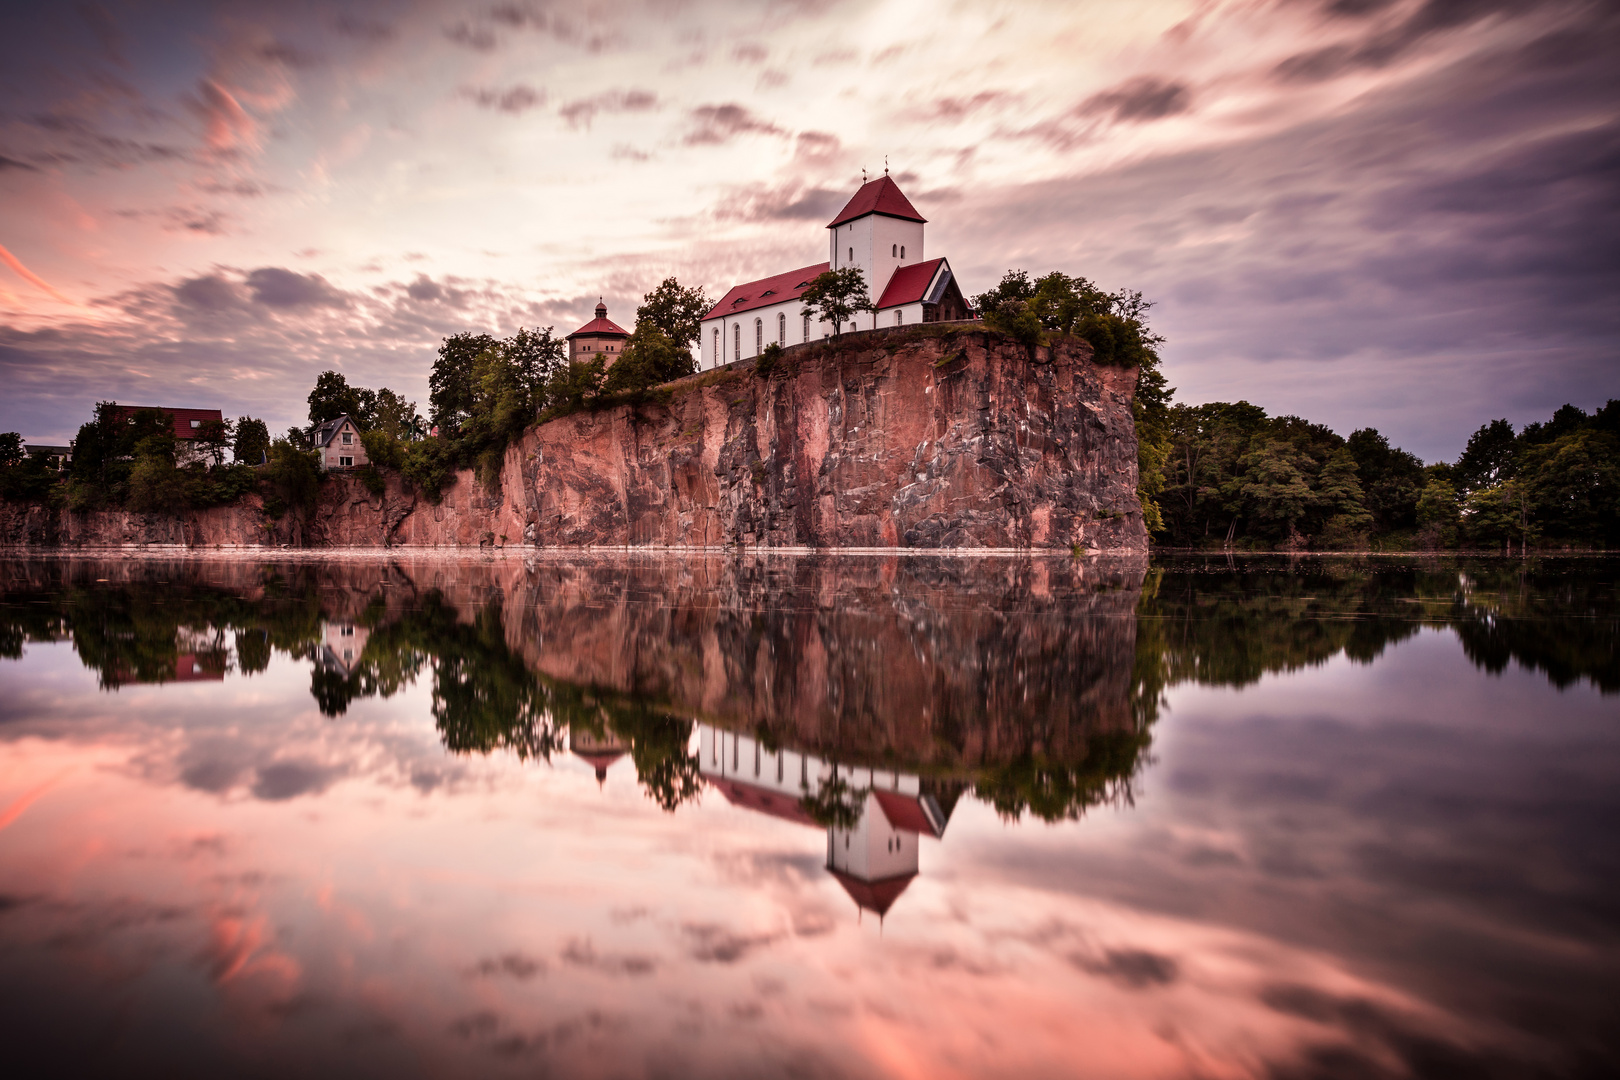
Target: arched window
781 328
851 254
894 249
736 341
807 326
897 314
759 335
902 251
717 345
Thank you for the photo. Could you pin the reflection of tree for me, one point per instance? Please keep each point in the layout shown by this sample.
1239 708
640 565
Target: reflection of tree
1053 789
1207 622
835 804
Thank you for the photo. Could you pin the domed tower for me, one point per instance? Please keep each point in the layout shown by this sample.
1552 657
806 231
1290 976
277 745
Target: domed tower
599 337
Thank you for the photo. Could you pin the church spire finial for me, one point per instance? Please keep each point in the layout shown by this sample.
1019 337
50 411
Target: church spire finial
885 164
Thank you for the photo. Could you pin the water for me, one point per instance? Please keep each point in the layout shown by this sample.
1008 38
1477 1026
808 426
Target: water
695 816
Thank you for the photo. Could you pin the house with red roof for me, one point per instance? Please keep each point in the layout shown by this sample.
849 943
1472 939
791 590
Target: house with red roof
599 337
879 232
875 858
187 426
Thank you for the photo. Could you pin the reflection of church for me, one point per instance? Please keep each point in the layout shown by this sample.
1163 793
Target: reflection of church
877 818
597 751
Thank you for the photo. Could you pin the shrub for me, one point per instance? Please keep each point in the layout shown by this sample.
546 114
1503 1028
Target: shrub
429 465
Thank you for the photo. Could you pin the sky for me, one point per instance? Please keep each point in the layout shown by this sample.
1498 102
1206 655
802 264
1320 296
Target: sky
1389 213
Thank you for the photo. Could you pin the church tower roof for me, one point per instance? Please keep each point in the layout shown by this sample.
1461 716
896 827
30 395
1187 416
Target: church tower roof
600 326
880 196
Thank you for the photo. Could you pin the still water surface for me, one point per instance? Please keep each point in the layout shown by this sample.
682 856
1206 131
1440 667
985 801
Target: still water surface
816 817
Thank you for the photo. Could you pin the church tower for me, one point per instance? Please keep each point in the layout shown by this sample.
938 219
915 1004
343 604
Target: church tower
878 231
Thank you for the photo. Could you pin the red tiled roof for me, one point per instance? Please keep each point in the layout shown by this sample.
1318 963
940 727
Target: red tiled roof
878 896
764 800
905 812
600 327
880 196
908 284
766 291
182 417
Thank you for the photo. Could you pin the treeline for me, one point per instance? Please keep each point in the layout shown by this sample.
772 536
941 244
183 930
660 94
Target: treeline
1228 475
132 459
1236 477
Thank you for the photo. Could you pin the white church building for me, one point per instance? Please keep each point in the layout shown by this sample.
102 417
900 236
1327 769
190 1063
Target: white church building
911 288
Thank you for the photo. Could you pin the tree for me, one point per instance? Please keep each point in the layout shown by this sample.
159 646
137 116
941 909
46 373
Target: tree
450 386
535 356
1438 513
1274 485
294 476
155 485
333 397
11 448
395 416
1340 494
675 311
837 295
252 442
1488 458
649 359
213 437
1391 479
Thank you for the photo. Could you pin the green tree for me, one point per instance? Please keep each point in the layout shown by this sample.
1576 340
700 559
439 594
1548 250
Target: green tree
11 449
450 385
1488 458
333 397
535 356
293 476
396 417
155 484
1275 486
213 439
837 296
649 359
252 442
676 312
1438 514
1391 479
1340 495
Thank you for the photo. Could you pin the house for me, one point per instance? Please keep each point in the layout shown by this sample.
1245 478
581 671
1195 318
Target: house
62 456
187 426
341 646
599 337
875 858
909 288
339 444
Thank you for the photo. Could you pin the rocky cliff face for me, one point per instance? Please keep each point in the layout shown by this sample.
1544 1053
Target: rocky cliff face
926 437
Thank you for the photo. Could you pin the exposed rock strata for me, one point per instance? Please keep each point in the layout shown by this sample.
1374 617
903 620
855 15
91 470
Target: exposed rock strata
928 437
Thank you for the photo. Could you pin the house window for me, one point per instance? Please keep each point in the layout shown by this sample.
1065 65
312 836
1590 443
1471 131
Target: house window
345 462
196 424
736 341
348 438
759 334
781 328
897 314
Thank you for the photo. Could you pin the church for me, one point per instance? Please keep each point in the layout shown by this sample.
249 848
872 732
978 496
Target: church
911 288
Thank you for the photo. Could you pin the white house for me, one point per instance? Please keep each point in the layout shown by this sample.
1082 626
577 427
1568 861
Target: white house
339 444
878 231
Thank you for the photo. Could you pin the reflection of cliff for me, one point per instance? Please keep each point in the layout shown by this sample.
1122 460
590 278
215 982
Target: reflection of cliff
875 819
1033 681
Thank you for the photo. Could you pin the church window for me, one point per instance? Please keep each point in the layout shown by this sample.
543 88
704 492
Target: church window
781 328
717 345
902 251
736 341
807 326
894 249
759 334
897 314
851 254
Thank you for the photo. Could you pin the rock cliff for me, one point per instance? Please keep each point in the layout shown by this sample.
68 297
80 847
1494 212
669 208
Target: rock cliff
922 437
